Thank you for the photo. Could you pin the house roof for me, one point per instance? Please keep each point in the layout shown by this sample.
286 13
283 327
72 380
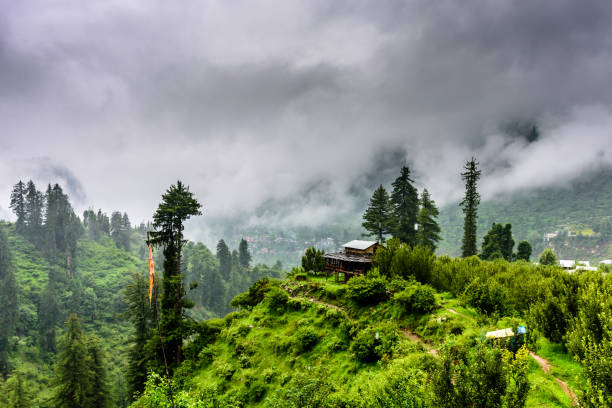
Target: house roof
350 258
500 334
357 244
567 263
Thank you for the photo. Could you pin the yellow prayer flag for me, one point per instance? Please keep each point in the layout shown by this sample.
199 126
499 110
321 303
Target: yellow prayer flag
151 272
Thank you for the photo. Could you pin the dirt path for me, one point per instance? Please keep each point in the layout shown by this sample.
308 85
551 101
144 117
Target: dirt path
453 311
545 365
418 339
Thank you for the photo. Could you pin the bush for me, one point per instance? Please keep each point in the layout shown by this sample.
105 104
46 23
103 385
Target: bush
417 262
372 343
416 298
253 296
305 339
366 290
277 300
487 296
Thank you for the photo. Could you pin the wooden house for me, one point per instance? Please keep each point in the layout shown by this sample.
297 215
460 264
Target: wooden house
355 259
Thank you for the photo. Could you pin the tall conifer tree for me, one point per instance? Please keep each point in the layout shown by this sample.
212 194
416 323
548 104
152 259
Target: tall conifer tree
428 233
225 259
48 314
72 379
34 202
470 202
378 217
140 313
18 206
243 254
8 302
177 206
405 200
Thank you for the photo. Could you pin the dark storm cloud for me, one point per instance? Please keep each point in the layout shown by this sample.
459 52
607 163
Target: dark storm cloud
45 169
256 103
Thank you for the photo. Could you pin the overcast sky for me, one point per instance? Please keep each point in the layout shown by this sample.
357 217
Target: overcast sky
257 102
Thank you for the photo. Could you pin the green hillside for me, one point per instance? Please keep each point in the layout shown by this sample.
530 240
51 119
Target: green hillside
385 341
581 212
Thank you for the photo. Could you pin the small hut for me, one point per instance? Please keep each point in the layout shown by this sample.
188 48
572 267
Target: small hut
356 259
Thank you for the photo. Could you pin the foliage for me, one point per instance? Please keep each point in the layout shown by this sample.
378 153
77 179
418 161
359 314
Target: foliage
590 340
253 296
405 202
548 257
305 339
378 218
8 301
417 262
416 298
313 260
366 289
498 241
428 233
177 206
277 300
523 251
488 296
80 376
372 343
244 256
480 377
469 205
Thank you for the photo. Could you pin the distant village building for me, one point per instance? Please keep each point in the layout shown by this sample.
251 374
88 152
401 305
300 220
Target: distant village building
567 264
356 259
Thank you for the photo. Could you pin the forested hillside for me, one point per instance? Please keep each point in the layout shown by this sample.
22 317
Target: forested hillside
64 265
580 212
409 334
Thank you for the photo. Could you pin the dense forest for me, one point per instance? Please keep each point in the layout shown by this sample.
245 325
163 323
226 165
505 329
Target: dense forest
54 264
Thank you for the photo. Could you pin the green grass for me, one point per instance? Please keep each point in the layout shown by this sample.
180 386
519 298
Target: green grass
545 392
563 365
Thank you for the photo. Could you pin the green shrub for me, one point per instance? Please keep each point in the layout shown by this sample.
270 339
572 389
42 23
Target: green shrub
277 300
305 339
253 296
224 370
417 262
372 343
366 290
416 298
487 296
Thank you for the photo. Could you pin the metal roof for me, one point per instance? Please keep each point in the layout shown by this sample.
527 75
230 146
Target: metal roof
350 258
357 244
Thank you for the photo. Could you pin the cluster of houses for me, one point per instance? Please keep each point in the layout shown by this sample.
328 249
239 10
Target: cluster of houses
572 265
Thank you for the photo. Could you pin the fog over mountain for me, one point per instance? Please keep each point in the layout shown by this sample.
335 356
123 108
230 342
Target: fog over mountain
293 111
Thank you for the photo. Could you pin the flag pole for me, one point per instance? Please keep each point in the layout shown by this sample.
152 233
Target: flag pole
161 340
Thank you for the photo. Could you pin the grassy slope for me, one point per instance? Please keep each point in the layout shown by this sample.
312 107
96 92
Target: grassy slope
273 359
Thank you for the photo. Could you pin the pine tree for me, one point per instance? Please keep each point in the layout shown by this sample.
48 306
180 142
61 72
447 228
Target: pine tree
177 206
72 377
405 200
99 394
103 222
378 217
140 313
18 206
18 395
244 255
470 207
428 233
313 260
8 302
116 222
48 315
126 232
225 259
34 202
523 251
